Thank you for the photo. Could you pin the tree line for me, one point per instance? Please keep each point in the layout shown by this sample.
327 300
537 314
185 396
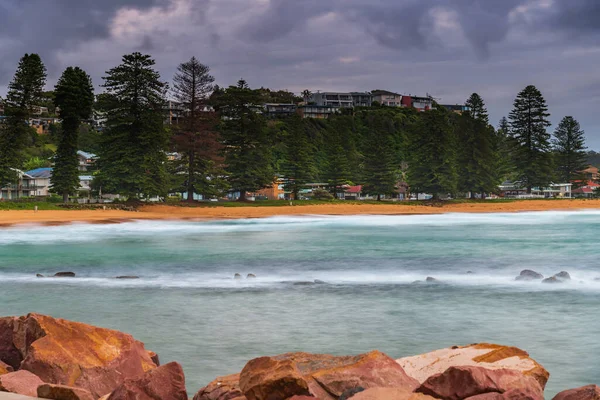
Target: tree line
236 148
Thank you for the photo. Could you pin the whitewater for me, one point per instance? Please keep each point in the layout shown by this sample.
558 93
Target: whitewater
187 307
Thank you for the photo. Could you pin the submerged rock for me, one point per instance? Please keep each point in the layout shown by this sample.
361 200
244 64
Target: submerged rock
166 382
320 282
250 276
431 279
529 275
237 276
20 382
564 275
128 277
39 275
590 392
303 283
470 272
62 392
64 275
552 279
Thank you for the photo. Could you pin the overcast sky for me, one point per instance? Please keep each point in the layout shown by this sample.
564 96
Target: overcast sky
447 48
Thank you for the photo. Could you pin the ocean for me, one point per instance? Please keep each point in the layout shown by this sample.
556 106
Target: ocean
187 307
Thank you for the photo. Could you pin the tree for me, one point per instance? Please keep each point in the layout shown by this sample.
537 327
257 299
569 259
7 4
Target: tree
380 171
132 154
74 97
477 158
306 95
503 146
246 144
196 136
569 146
298 166
431 149
532 155
24 93
340 154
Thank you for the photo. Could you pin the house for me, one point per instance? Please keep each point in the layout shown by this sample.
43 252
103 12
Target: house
273 192
516 190
332 99
86 160
456 108
353 192
587 191
386 98
591 173
419 103
362 99
24 187
318 112
42 177
277 110
42 125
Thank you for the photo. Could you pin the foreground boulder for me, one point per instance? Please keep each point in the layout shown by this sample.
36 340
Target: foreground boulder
20 382
5 368
9 353
529 275
489 356
60 392
73 354
390 394
458 383
166 382
322 376
590 392
222 388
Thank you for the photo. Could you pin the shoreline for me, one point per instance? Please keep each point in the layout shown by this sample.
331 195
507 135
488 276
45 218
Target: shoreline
181 213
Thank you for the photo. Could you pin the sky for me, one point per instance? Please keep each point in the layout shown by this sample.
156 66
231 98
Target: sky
445 48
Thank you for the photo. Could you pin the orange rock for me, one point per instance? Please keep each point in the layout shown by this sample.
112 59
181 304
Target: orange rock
166 382
79 355
222 388
323 376
389 394
489 356
5 368
590 392
20 382
458 383
60 392
9 353
154 358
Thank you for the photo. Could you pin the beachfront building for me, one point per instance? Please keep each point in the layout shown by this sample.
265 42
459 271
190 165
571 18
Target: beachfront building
23 187
42 178
332 99
387 98
278 110
362 99
591 173
417 102
586 191
318 112
517 191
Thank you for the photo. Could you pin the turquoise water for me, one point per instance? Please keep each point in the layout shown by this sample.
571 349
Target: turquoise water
187 307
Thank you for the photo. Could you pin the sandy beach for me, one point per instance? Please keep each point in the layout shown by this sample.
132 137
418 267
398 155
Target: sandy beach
163 212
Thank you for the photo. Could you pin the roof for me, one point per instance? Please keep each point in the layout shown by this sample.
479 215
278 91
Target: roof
85 154
40 173
380 92
354 189
584 190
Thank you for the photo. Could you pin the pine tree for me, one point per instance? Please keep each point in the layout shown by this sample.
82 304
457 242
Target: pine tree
431 149
196 136
340 154
380 171
532 155
298 159
132 157
25 92
476 108
247 147
503 146
74 97
569 146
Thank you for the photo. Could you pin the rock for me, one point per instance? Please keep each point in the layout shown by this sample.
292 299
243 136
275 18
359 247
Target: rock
39 275
590 392
165 382
458 383
552 279
154 357
529 275
417 282
514 394
69 353
5 368
303 283
301 398
430 279
61 392
351 393
250 276
237 276
9 354
390 394
490 356
320 282
128 277
222 388
20 382
64 275
563 275
323 376
470 272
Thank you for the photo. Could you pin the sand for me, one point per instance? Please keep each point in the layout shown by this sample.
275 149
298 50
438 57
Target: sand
163 212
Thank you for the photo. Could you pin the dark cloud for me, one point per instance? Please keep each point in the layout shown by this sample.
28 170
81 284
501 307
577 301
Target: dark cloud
576 16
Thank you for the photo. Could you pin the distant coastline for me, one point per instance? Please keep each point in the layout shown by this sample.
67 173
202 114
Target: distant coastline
166 212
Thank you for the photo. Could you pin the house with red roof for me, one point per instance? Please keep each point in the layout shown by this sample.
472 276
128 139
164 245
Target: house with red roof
588 190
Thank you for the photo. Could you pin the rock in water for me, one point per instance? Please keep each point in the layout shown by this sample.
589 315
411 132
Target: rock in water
222 388
320 375
320 282
529 275
590 392
563 275
39 275
430 279
166 382
61 392
250 276
237 276
64 275
552 279
20 382
491 356
74 354
458 383
128 277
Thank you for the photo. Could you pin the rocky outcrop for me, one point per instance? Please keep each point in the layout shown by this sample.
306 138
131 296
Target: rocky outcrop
64 275
564 275
20 382
430 279
61 392
69 353
127 277
514 394
458 383
529 275
165 382
389 394
222 388
490 356
5 368
590 392
323 376
250 276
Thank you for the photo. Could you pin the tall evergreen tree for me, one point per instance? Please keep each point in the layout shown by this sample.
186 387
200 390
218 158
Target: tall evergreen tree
431 149
380 171
246 143
196 136
503 147
532 155
74 97
341 156
298 160
477 109
25 91
132 157
569 147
